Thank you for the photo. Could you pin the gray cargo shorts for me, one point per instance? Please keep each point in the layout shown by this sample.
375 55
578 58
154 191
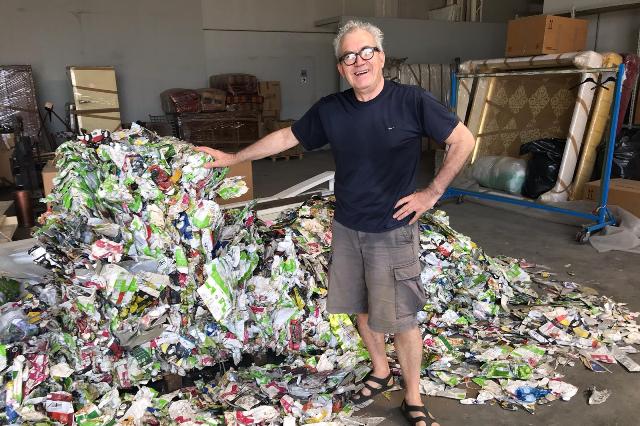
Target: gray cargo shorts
378 274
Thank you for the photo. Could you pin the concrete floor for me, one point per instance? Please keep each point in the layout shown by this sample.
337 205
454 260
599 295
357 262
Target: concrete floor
512 233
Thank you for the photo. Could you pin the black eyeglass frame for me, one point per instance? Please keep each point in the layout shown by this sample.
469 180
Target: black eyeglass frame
342 58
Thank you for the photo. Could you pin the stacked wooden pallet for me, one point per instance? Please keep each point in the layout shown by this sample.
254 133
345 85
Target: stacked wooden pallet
295 152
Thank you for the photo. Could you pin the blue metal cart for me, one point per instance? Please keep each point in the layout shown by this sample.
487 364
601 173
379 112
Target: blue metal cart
602 217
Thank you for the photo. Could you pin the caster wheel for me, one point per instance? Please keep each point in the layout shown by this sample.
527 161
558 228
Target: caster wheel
583 236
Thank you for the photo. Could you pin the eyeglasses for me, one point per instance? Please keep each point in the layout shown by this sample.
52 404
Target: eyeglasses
366 53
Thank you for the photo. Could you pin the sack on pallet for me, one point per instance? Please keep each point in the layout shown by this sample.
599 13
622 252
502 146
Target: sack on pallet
501 173
235 84
180 101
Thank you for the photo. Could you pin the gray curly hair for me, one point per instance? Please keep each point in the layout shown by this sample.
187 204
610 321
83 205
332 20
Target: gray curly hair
351 26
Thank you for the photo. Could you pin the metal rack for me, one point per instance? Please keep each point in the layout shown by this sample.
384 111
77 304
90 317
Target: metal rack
602 217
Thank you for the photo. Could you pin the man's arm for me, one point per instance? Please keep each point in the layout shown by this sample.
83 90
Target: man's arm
461 143
271 144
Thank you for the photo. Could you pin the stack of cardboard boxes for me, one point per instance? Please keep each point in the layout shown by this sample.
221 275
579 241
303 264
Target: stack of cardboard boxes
7 142
271 100
624 193
271 108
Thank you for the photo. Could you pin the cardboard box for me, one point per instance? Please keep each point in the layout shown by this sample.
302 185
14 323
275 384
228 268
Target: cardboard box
272 104
545 34
243 169
235 84
8 227
8 141
48 173
624 193
6 152
212 100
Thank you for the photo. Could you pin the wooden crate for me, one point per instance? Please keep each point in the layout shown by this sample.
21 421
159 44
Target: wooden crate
223 130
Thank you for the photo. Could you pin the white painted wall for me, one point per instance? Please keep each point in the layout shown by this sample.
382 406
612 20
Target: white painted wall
425 41
609 30
159 44
153 45
615 31
269 15
276 40
565 6
504 10
439 42
492 10
277 56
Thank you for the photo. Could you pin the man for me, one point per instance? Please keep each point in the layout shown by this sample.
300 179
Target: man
375 131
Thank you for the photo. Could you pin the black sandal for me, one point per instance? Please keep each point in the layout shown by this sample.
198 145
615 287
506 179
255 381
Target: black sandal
407 409
360 400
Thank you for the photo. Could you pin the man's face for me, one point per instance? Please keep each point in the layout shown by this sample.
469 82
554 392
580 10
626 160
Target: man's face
363 76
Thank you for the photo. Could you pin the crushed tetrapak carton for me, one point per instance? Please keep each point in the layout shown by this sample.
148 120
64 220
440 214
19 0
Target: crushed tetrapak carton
150 277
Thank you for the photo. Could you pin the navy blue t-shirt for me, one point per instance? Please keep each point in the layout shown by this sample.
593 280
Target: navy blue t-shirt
376 146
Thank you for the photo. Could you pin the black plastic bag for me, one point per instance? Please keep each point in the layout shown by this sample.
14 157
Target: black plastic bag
542 168
626 156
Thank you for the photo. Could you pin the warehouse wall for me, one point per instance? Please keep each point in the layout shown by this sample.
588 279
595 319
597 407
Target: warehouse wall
279 40
504 10
421 41
153 45
273 15
492 10
614 31
275 40
610 29
158 44
277 56
564 6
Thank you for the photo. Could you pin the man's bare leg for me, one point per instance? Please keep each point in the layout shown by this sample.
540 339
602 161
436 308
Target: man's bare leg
409 349
374 342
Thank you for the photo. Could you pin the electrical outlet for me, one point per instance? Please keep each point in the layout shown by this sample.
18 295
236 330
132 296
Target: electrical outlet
303 77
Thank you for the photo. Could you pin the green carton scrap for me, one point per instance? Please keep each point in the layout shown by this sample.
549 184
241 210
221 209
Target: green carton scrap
150 277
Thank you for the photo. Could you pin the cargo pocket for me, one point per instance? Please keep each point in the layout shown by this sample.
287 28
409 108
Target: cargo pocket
405 234
410 297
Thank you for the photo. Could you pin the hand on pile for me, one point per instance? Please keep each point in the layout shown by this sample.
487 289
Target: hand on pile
418 203
220 159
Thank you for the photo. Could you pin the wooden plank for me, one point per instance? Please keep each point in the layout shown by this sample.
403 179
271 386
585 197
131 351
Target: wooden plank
4 206
8 228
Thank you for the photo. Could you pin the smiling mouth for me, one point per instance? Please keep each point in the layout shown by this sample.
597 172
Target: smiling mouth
359 73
